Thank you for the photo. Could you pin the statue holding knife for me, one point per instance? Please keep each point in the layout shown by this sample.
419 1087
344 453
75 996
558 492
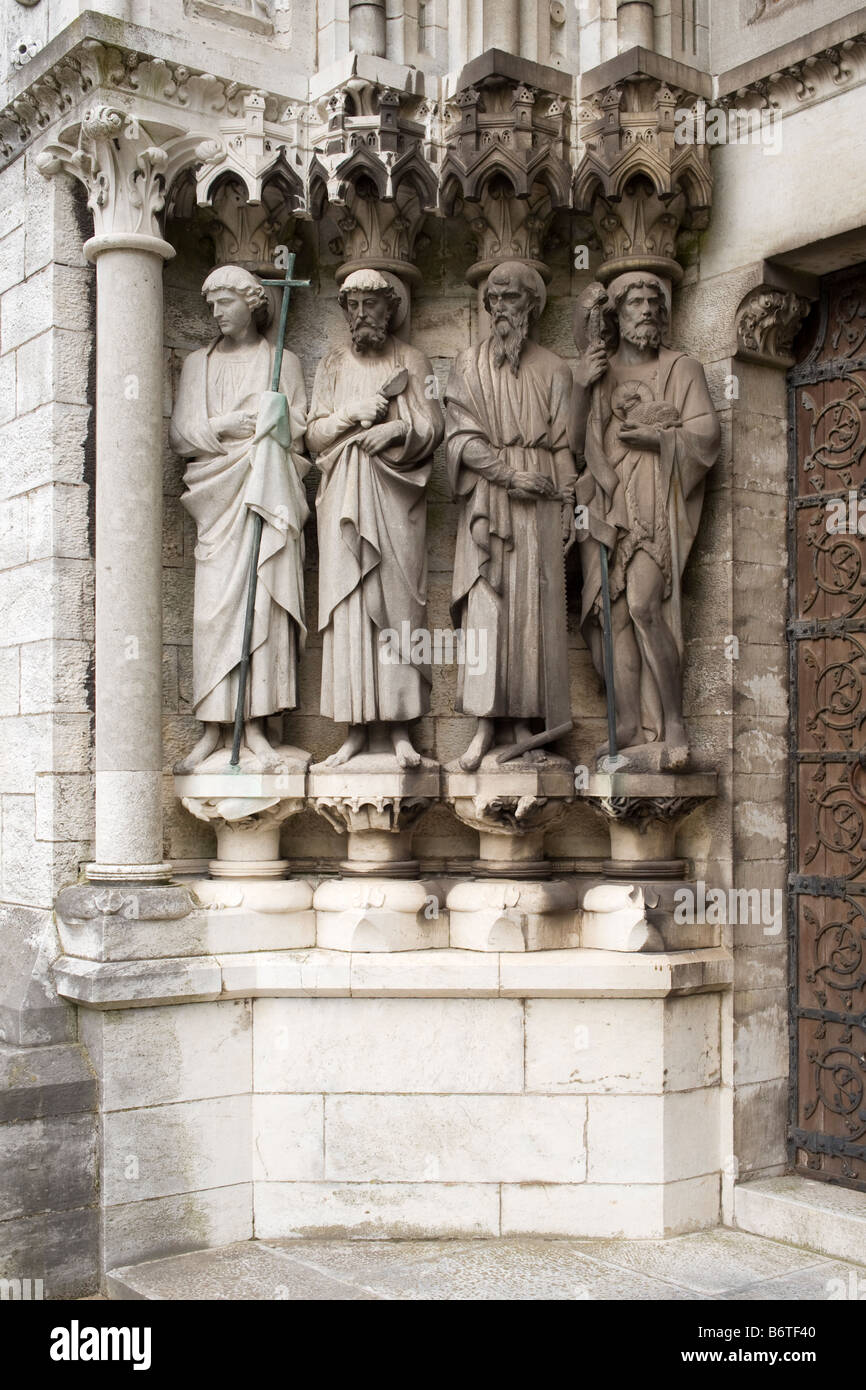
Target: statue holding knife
373 425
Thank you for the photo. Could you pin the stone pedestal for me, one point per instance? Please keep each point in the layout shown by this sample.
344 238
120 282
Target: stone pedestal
511 906
377 804
643 811
247 809
629 908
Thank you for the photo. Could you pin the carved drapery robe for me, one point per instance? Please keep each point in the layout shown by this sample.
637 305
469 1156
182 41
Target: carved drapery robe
372 536
640 499
509 576
227 480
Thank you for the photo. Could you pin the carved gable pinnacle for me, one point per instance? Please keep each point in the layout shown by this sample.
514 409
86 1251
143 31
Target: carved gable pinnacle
369 162
506 163
639 184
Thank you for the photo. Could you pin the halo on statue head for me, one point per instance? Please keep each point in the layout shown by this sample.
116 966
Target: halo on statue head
370 278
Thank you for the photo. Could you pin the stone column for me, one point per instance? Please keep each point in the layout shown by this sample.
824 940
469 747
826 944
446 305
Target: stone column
124 174
128 556
635 24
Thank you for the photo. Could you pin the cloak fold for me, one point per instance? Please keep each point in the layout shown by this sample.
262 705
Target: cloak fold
226 481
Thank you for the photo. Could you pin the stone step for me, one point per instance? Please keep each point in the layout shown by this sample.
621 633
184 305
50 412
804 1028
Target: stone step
817 1215
719 1263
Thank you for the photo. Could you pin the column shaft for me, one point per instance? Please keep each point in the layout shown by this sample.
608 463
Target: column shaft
129 368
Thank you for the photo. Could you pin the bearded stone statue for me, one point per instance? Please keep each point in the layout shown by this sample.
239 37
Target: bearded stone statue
512 471
643 420
373 425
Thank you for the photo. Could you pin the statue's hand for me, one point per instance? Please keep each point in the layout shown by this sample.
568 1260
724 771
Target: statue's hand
238 424
368 410
641 437
530 485
380 437
591 366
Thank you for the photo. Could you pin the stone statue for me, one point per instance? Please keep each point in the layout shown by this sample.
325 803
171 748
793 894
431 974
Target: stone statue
511 468
644 422
242 459
374 423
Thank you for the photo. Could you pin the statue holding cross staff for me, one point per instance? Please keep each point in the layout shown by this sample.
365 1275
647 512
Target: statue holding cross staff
239 420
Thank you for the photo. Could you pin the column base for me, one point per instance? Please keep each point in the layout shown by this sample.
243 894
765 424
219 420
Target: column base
379 914
128 873
511 915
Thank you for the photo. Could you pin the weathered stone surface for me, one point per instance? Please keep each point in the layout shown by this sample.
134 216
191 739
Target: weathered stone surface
399 1210
36 1082
60 1248
49 1165
244 1271
372 1045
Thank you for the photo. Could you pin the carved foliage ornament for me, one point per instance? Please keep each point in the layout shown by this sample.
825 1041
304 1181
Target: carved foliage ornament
123 169
639 184
768 321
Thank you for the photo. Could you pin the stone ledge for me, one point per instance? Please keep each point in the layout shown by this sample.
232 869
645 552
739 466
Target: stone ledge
437 973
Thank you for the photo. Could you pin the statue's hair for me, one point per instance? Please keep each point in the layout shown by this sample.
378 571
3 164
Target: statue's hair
636 280
527 278
244 283
370 282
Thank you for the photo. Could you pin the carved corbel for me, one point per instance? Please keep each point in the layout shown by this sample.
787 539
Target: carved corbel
638 179
506 166
369 165
767 322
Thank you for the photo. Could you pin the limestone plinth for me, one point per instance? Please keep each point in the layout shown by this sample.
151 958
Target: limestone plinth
379 914
247 809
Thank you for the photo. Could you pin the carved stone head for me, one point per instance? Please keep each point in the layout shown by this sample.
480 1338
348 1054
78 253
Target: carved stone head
640 304
514 297
370 304
237 298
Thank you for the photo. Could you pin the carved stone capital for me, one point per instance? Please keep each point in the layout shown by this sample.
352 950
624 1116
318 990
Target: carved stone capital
507 166
247 810
643 811
124 166
377 807
511 809
637 182
767 322
368 163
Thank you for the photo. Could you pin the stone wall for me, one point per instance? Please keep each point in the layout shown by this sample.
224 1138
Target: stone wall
47 1090
458 1094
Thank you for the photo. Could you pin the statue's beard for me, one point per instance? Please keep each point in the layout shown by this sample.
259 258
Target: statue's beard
643 335
367 337
511 332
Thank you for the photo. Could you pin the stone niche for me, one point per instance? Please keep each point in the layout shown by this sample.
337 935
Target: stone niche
445 993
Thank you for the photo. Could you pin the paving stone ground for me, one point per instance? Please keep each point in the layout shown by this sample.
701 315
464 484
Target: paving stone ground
708 1265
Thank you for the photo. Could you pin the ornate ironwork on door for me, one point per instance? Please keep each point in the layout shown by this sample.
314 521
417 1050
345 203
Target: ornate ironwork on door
827 642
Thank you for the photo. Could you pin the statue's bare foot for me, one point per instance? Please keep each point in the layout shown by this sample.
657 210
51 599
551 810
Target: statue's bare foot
354 744
481 744
406 755
203 749
268 758
677 746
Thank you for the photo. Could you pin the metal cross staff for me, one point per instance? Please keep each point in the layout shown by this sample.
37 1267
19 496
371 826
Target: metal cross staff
287 284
